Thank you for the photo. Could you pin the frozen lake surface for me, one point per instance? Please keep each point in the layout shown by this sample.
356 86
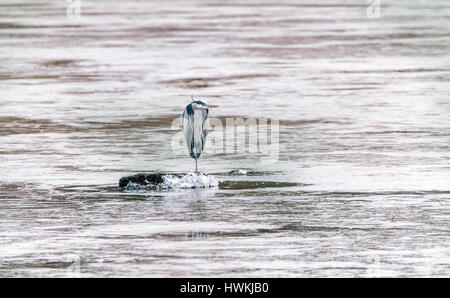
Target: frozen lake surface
362 183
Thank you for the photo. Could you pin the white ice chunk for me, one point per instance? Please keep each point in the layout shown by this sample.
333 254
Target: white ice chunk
190 180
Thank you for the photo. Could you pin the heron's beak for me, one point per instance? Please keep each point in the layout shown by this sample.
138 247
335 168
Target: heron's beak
210 106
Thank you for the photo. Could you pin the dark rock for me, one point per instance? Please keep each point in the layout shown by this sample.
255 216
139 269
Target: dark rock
145 180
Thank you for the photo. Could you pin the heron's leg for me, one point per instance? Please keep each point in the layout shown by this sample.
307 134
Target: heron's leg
196 165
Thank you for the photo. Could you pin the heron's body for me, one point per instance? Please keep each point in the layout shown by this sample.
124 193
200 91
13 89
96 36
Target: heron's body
195 122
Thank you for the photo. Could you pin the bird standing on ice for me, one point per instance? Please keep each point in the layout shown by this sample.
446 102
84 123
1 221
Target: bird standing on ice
195 121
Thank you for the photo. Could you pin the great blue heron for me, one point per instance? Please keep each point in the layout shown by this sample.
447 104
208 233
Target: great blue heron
195 121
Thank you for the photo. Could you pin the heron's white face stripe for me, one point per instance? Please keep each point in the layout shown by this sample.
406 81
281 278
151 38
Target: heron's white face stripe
197 106
201 106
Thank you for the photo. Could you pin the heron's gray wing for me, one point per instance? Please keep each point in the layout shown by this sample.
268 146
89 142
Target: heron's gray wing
194 127
205 126
188 130
198 132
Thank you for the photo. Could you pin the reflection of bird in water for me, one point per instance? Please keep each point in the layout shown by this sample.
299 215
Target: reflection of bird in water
195 120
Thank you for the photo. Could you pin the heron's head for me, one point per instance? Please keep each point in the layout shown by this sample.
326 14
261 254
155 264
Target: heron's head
198 104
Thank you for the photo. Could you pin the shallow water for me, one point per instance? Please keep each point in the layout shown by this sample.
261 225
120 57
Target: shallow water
361 186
